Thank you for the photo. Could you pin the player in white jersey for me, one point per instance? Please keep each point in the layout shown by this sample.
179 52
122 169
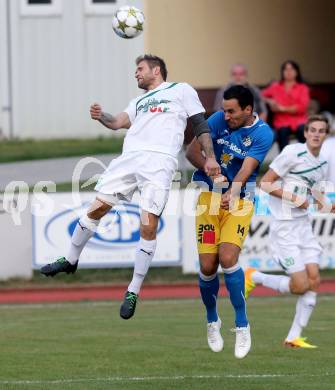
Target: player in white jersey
301 170
156 123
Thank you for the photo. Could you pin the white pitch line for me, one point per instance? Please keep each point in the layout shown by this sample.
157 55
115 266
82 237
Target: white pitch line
163 378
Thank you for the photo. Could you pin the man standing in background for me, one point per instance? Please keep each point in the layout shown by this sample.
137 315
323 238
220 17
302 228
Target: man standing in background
239 76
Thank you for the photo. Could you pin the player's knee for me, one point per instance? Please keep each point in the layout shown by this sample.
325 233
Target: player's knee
299 286
94 215
148 232
209 263
208 268
314 282
149 225
227 260
98 210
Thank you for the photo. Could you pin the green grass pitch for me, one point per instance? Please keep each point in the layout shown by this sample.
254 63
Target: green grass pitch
87 346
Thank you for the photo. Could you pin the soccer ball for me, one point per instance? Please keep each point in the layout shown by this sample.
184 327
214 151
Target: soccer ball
128 22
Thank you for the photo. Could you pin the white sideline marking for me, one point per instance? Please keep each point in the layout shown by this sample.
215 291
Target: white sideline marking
167 378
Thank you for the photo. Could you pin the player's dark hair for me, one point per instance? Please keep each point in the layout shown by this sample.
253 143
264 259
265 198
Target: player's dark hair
295 66
154 61
242 94
317 118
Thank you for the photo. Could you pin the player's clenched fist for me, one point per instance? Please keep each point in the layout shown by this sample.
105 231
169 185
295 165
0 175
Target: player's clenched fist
96 111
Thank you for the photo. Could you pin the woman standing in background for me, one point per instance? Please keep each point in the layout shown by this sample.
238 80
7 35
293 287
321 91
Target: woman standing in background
288 100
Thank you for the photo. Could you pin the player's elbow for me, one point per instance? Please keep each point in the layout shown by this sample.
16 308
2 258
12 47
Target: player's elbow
199 124
115 124
191 154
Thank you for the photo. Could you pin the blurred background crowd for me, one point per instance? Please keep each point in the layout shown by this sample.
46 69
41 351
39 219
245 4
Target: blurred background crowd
285 103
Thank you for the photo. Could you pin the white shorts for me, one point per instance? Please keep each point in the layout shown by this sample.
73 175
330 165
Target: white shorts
293 244
149 172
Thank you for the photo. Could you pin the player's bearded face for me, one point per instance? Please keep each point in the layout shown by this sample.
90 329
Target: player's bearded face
144 75
235 116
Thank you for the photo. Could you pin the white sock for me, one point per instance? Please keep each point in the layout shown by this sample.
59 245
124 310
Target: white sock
304 309
257 277
279 283
307 304
83 231
296 328
144 253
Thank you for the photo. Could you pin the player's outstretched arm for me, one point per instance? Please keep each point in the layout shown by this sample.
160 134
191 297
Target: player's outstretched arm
202 132
196 158
114 122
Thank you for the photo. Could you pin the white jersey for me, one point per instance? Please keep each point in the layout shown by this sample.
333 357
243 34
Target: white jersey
327 151
299 171
158 118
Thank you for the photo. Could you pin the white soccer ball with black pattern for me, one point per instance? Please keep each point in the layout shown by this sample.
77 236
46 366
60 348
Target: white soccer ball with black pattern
128 22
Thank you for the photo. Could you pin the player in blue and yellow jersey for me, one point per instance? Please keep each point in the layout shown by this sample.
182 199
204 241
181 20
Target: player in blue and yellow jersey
241 141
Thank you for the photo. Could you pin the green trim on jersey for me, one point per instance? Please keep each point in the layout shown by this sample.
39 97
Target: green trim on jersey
308 170
301 153
154 92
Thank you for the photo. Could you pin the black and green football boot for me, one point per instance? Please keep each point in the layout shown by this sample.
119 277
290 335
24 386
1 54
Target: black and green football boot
60 265
128 306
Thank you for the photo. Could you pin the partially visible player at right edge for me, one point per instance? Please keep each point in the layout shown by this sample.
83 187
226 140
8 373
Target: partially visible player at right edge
294 246
241 141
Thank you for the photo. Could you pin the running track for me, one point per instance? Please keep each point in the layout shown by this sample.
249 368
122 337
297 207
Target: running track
116 292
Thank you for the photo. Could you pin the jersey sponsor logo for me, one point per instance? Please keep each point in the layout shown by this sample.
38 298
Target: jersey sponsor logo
226 158
247 141
153 93
206 234
154 105
302 191
233 147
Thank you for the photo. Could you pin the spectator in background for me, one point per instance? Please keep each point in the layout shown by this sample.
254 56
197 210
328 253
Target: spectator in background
239 76
288 100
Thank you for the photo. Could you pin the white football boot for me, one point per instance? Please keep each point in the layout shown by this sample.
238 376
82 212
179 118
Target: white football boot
243 342
214 338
